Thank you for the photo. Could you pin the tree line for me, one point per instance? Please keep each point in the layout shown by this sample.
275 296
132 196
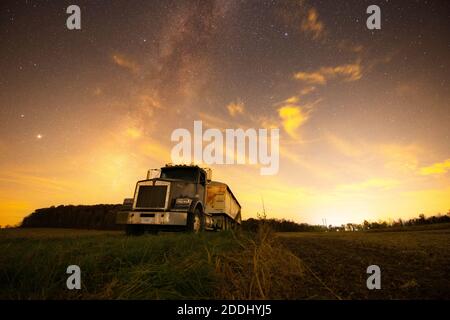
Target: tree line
282 225
100 216
103 217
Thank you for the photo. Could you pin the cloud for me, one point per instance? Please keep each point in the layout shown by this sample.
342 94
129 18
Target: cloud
293 99
212 121
395 158
401 158
348 72
307 90
436 168
267 122
133 133
292 116
302 18
312 25
235 108
311 77
345 147
323 172
125 63
156 151
373 183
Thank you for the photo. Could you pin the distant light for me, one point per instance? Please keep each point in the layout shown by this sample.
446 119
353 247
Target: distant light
22 116
39 136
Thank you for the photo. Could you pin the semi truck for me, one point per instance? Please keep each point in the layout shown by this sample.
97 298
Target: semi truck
180 198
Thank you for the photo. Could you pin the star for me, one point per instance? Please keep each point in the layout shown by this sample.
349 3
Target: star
39 136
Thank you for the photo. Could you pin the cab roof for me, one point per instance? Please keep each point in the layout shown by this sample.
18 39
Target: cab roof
194 166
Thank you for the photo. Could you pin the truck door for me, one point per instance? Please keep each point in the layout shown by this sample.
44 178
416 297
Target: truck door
201 188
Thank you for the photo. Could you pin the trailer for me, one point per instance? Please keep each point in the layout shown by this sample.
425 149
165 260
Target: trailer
223 206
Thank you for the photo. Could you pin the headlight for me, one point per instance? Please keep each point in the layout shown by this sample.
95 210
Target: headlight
183 201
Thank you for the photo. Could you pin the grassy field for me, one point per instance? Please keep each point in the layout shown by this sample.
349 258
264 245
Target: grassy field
414 264
222 265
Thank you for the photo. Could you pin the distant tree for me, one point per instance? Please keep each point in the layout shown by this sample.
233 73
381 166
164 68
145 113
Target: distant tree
422 217
366 225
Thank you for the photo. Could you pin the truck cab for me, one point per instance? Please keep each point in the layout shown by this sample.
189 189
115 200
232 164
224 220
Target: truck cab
174 198
170 199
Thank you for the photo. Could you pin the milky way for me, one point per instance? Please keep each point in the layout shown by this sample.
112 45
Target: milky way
363 114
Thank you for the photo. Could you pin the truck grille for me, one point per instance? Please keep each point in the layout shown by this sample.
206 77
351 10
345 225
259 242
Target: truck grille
151 197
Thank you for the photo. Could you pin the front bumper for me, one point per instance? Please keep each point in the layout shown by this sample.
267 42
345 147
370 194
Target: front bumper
170 218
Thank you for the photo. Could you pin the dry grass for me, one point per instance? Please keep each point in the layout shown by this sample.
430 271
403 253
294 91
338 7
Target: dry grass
221 265
262 269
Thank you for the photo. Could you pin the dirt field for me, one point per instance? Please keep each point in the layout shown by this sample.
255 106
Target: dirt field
414 264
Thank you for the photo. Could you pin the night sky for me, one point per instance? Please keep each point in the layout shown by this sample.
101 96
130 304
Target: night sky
363 114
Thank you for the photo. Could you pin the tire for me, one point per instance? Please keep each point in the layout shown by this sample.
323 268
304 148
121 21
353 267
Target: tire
196 221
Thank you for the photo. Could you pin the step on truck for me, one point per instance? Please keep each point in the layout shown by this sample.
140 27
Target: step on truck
180 198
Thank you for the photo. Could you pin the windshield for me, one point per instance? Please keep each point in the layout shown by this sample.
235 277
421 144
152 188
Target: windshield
186 174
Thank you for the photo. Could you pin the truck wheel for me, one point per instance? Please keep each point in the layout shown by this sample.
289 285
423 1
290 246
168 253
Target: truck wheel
196 221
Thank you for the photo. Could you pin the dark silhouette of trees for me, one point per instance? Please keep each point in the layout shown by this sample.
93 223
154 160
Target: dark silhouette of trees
421 220
101 216
280 225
